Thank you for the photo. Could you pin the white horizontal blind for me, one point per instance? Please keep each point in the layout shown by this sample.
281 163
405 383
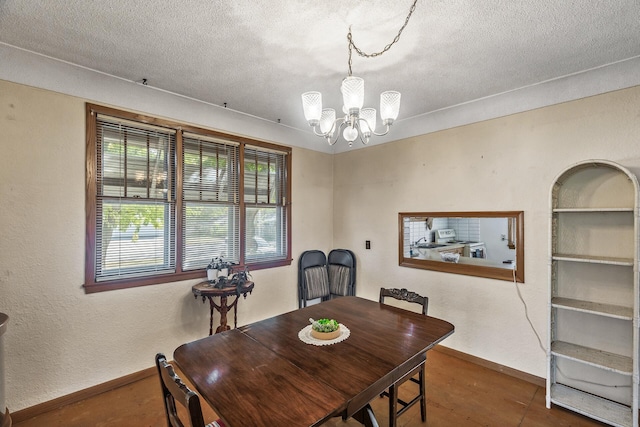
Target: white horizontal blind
265 196
211 215
135 203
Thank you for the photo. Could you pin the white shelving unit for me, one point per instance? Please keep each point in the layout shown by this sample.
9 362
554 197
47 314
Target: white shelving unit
593 366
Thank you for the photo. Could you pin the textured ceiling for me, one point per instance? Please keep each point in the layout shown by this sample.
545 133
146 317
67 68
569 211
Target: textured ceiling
259 56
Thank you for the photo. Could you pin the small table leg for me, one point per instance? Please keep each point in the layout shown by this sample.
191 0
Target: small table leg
223 315
205 291
211 307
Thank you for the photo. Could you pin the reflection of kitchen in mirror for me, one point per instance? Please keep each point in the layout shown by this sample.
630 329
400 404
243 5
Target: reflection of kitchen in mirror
472 240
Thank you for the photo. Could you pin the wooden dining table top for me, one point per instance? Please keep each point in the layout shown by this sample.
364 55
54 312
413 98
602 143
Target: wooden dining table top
263 375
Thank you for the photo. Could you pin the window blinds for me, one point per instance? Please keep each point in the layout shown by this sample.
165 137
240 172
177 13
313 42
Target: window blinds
134 199
265 204
211 214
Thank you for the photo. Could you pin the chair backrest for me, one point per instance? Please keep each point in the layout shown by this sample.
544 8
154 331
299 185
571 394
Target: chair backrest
405 295
341 264
313 280
174 390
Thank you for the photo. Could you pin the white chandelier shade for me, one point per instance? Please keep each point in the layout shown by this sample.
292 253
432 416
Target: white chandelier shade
352 89
357 121
312 106
327 119
389 106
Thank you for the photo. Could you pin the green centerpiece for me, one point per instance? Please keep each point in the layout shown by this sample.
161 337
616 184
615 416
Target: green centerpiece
325 329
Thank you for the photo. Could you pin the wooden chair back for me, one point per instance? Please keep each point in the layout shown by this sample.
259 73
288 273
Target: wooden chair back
405 295
174 390
394 400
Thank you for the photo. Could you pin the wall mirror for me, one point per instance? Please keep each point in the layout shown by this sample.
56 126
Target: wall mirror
484 244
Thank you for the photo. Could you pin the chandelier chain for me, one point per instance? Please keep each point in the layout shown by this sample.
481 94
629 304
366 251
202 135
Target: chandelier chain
352 44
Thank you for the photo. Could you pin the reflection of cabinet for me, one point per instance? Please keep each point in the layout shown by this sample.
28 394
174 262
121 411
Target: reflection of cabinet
453 250
593 312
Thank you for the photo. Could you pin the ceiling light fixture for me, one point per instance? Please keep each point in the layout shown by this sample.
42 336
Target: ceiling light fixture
357 121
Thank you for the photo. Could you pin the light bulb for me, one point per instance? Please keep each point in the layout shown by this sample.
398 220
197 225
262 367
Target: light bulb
350 133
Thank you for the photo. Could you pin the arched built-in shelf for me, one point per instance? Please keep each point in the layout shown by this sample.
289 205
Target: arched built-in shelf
593 277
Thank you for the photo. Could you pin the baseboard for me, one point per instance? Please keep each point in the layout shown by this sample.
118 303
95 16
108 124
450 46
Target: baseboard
33 411
533 379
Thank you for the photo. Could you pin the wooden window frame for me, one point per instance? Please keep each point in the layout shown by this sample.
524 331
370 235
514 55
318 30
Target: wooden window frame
91 285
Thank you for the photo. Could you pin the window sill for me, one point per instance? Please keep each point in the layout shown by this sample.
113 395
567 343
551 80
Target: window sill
113 285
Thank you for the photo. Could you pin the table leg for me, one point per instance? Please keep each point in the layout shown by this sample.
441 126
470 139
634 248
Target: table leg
393 402
211 307
234 307
223 315
366 416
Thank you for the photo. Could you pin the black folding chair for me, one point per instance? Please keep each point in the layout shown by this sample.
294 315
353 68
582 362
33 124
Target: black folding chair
313 280
341 265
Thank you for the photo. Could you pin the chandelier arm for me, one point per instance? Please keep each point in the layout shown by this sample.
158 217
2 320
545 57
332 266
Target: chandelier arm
386 131
338 131
333 126
373 131
315 131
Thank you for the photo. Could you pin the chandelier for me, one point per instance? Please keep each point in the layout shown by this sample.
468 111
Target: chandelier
356 121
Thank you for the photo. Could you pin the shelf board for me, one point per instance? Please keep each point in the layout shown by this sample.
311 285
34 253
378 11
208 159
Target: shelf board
592 406
591 259
590 356
588 210
609 310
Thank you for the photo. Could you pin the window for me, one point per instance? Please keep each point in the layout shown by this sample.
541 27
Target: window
164 198
264 204
134 200
211 211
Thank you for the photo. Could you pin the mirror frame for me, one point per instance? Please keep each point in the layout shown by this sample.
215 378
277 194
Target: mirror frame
467 269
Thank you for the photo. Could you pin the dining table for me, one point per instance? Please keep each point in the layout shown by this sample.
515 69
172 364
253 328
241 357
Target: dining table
270 373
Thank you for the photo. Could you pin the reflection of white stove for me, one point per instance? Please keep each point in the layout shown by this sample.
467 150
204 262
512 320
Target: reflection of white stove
471 249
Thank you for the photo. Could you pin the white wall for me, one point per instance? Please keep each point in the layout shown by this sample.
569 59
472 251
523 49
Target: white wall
503 164
491 230
60 340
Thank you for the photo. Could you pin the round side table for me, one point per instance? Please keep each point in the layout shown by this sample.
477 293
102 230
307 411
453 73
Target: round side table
207 291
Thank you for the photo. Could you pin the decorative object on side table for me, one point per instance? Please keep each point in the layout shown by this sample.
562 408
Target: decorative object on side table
239 279
223 282
221 274
218 272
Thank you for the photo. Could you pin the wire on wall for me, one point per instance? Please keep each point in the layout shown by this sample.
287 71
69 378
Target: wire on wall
544 349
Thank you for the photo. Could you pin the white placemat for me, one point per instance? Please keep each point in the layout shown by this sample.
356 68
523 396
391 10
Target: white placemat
305 336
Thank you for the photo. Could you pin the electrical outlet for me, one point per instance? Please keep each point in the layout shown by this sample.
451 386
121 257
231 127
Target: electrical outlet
367 244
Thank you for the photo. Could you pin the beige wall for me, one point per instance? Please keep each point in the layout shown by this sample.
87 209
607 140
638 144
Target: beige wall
60 340
502 164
